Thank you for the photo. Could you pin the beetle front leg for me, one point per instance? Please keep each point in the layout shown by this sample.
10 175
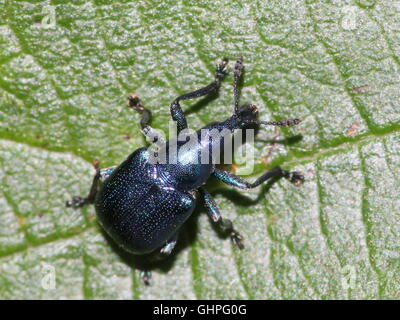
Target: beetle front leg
229 178
100 175
177 113
216 217
150 133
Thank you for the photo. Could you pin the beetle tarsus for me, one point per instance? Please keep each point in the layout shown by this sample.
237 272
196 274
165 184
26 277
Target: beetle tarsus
237 240
221 70
135 104
294 177
76 202
146 276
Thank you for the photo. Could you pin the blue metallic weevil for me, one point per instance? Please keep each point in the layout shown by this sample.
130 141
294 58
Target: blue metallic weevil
142 205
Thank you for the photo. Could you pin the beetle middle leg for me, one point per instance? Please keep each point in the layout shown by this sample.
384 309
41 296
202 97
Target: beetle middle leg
177 113
231 179
216 217
100 175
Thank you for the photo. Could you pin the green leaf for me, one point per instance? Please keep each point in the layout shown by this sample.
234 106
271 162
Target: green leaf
66 68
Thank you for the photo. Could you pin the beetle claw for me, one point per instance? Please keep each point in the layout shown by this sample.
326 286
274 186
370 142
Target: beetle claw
134 102
146 276
237 240
76 202
296 178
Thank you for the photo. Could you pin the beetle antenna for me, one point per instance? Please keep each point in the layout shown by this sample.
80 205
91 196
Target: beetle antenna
280 123
236 78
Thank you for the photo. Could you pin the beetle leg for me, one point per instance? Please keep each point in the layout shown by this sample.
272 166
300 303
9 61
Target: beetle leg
100 175
175 108
134 103
146 276
150 133
294 177
216 217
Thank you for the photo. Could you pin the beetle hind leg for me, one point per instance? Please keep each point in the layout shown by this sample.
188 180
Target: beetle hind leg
225 224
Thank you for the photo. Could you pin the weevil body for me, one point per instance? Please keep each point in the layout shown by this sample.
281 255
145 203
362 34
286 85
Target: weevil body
142 204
